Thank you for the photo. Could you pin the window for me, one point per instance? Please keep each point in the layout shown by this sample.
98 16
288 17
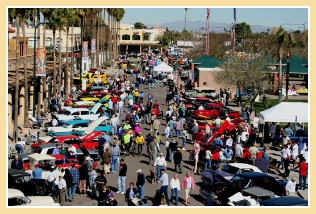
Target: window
75 113
126 37
136 37
84 112
204 83
50 151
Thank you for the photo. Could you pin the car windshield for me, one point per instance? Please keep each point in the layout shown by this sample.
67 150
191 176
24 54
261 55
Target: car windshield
53 140
230 169
38 150
240 181
61 161
67 113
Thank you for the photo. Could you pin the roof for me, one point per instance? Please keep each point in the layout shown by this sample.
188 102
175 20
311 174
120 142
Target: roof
251 175
297 65
286 112
37 156
285 201
12 193
207 61
245 166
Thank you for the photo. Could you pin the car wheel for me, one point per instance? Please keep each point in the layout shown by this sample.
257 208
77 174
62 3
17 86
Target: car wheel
96 150
200 170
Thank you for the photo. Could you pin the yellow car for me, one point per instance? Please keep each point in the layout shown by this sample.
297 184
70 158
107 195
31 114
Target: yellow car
302 91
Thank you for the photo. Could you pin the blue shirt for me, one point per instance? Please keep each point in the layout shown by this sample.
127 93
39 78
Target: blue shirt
110 104
37 173
75 175
288 131
107 138
56 151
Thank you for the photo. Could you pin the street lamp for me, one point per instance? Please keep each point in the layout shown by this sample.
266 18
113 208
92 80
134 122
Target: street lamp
34 78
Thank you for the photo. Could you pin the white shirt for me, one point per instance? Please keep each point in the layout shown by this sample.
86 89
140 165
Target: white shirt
21 142
175 183
243 136
167 144
238 150
290 186
160 161
121 103
167 130
164 179
72 150
218 121
295 150
208 154
229 142
62 184
285 153
131 102
54 122
52 175
201 108
189 179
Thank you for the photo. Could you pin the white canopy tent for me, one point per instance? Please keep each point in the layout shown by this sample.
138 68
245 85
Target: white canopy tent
286 112
163 67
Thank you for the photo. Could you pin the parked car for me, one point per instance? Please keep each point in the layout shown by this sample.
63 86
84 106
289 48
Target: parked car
83 113
285 201
224 188
17 198
68 127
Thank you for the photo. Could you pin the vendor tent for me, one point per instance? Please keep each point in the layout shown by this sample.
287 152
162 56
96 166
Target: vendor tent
286 112
163 67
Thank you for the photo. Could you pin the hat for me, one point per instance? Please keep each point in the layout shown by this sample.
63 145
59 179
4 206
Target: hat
139 170
110 194
52 167
179 149
87 158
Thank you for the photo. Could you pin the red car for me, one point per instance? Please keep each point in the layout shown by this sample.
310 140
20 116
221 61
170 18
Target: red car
87 141
62 162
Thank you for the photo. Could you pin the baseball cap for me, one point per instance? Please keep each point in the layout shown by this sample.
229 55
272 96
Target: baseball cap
139 170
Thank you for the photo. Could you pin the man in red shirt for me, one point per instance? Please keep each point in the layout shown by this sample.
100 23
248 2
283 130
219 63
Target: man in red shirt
114 100
302 174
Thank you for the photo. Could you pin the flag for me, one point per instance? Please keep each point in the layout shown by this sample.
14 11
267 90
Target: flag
208 12
235 14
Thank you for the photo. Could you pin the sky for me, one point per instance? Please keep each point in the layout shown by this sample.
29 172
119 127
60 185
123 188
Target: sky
270 17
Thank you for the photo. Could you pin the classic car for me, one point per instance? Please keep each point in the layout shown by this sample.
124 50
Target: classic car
83 113
17 198
68 127
285 201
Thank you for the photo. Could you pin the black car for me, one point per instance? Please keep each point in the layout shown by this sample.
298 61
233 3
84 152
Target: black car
285 201
214 182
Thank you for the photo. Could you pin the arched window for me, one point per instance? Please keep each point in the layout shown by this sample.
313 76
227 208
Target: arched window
126 37
136 37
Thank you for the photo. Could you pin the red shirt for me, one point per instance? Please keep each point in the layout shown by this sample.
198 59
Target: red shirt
303 169
114 100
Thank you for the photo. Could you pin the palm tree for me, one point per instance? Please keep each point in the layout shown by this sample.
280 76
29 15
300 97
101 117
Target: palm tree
16 97
110 21
39 92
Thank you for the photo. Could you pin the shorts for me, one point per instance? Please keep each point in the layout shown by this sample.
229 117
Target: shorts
196 157
187 192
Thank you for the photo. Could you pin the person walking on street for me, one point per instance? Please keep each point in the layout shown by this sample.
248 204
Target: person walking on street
131 192
62 187
115 153
156 126
140 183
122 177
68 179
290 187
188 184
160 164
253 150
286 155
140 142
83 173
208 158
75 180
167 132
100 181
106 161
303 172
175 188
173 149
196 156
164 184
177 161
184 136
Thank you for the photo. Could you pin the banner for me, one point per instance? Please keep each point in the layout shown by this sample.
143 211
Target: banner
85 50
93 47
41 62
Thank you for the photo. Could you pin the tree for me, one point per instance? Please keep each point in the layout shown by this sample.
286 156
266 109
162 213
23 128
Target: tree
139 25
147 36
239 73
243 31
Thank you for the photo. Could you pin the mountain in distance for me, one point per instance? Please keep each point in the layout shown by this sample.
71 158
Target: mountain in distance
196 26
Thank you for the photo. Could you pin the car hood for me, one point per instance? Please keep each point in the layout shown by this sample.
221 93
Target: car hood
95 108
211 175
94 124
42 201
89 137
